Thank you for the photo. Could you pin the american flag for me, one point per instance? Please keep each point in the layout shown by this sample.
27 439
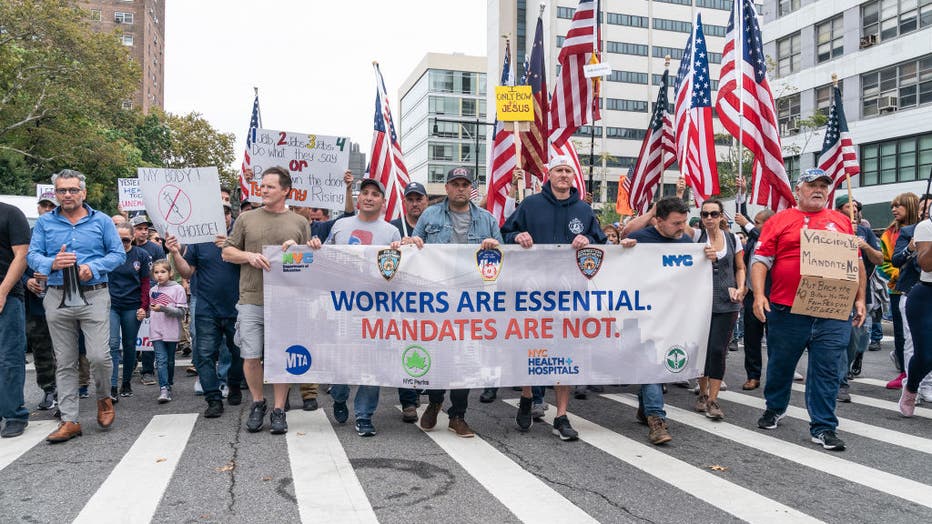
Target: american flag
568 149
748 112
658 152
838 156
162 299
474 192
575 98
387 164
503 155
534 150
250 138
695 138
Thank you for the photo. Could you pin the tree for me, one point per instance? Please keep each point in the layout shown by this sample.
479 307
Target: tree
195 143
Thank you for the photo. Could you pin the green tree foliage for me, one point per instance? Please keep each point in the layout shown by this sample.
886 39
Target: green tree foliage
194 142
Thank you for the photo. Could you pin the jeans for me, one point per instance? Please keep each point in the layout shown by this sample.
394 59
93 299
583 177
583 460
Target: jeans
367 399
650 399
214 335
788 335
459 400
919 315
407 397
123 320
898 337
147 362
13 359
165 361
909 347
876 324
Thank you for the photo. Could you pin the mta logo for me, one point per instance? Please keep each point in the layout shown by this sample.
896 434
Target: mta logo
297 360
677 260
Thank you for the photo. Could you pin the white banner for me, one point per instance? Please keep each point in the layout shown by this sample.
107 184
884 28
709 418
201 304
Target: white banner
129 195
142 336
452 316
316 164
170 196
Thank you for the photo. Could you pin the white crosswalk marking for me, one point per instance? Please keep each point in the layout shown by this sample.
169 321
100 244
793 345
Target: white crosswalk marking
846 470
12 448
876 403
844 424
325 485
727 496
525 495
870 382
134 488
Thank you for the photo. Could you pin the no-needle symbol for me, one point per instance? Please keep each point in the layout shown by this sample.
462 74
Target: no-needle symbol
174 205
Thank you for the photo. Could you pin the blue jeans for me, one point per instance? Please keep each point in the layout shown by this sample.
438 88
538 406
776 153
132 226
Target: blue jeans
123 320
165 361
13 360
215 337
650 398
860 338
876 326
788 335
147 362
367 399
537 394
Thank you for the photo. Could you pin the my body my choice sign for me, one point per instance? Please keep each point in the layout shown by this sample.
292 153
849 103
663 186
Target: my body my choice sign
184 202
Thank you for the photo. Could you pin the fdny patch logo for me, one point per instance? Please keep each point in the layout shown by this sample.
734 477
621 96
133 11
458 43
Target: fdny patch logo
388 261
136 265
589 261
489 262
575 226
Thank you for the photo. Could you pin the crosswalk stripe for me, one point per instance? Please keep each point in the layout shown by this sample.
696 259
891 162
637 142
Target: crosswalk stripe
821 461
525 495
13 448
851 426
180 362
876 403
325 485
727 496
870 382
134 488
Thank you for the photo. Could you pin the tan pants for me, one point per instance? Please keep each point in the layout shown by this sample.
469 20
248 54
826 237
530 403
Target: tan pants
308 391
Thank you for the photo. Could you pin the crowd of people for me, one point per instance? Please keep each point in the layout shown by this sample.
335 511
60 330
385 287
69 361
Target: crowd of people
77 287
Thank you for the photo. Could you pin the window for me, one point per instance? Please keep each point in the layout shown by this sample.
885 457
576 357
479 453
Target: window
724 5
714 30
788 55
445 129
622 133
127 39
625 48
791 163
620 104
829 42
437 174
628 20
788 114
673 25
628 77
441 151
823 98
566 12
897 87
785 7
441 81
660 52
560 40
885 19
123 18
715 58
680 2
469 107
900 160
95 15
443 105
127 104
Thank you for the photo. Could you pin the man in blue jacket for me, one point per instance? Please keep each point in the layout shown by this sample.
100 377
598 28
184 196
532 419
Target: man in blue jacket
556 215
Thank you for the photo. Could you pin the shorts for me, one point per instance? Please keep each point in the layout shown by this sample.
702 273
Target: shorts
250 330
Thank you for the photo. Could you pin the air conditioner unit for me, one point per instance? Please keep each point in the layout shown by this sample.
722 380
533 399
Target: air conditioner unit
791 126
887 104
868 40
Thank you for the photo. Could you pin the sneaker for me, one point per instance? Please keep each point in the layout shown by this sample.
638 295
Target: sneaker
723 387
459 426
164 395
309 404
701 403
857 364
256 416
562 429
49 400
537 410
798 377
658 431
907 403
224 390
126 390
198 390
235 397
829 441
114 394
523 418
340 413
925 394
13 428
147 379
733 345
277 423
874 346
488 395
580 393
214 409
190 371
364 428
714 411
409 414
429 418
769 419
82 392
897 383
843 395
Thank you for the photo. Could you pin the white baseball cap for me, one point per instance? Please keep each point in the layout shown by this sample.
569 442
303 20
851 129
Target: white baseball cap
561 160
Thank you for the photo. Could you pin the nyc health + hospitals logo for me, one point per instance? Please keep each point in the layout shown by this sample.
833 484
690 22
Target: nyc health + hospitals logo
676 359
297 360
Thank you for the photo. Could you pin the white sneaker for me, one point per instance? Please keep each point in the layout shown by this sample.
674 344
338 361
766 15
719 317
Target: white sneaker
164 395
198 390
925 394
224 390
724 386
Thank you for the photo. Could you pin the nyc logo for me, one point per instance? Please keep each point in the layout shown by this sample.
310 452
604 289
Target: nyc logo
489 262
677 260
388 260
297 258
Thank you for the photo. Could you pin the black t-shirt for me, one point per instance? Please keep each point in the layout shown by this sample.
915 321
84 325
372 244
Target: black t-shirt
14 231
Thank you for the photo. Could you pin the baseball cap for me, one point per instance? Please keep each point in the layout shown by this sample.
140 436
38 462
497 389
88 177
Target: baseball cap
813 174
561 160
140 220
459 172
48 196
372 182
414 187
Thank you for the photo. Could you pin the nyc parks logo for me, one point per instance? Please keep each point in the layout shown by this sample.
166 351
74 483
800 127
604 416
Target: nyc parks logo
416 361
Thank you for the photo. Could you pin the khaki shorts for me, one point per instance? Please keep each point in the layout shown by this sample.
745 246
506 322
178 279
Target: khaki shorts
250 330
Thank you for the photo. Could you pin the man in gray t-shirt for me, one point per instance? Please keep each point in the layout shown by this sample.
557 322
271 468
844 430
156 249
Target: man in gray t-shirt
355 231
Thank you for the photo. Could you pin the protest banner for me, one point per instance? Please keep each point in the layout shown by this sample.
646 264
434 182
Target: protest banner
316 164
184 202
828 263
454 316
129 195
142 336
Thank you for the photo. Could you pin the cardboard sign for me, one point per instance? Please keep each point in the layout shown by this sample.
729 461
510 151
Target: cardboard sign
828 263
514 103
184 202
316 164
130 195
597 70
45 189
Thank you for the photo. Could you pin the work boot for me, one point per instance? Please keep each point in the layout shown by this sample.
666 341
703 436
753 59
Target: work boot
429 418
658 431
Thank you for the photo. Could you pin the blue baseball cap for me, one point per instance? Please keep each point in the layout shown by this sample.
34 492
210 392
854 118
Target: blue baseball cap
414 187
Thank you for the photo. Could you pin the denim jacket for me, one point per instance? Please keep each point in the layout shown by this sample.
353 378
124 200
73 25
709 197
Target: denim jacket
435 225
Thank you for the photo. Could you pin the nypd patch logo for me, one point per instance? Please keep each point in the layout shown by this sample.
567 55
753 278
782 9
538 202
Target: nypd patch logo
589 261
489 262
388 260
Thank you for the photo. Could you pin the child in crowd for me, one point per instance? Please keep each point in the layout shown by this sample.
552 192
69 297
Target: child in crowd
167 301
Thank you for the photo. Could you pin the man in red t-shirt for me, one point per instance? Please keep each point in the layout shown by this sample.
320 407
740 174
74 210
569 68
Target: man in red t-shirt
789 334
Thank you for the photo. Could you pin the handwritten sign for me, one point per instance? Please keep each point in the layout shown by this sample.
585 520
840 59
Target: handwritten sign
184 202
316 164
129 194
828 263
514 103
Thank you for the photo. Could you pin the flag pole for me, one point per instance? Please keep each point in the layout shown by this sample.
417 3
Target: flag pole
847 175
255 90
739 61
595 53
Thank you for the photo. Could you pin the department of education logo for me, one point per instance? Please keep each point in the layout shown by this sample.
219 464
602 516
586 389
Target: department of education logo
416 361
296 261
589 261
297 360
489 262
676 359
576 226
388 261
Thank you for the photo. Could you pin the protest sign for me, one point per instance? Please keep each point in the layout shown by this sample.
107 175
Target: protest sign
45 190
828 263
184 202
514 103
316 164
129 195
454 316
142 336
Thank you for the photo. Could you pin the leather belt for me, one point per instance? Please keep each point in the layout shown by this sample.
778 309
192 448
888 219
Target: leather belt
102 285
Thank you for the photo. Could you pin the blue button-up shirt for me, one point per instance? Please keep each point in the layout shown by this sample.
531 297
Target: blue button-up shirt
93 239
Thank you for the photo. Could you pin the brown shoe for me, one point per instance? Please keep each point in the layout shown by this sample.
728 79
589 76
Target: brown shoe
752 383
701 403
105 412
429 418
658 431
65 432
461 428
409 414
714 411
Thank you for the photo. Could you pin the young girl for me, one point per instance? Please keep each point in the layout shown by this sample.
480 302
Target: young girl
167 301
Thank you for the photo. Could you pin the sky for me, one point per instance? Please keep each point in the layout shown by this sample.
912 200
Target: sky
311 60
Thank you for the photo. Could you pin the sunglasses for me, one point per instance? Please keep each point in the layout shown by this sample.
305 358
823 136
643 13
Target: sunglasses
68 190
710 214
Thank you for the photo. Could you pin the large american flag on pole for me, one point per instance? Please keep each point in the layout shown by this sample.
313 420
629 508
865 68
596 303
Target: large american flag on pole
534 151
503 155
387 163
658 152
695 138
250 139
747 109
575 99
838 156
